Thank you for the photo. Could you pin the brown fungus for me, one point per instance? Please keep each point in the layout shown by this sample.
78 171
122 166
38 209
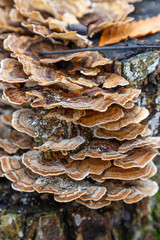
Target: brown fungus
111 80
153 142
145 188
50 97
137 158
22 121
35 160
129 132
11 140
77 170
127 174
134 115
93 118
12 71
63 145
109 13
90 143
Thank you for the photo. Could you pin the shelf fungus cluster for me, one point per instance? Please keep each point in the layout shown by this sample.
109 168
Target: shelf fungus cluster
68 127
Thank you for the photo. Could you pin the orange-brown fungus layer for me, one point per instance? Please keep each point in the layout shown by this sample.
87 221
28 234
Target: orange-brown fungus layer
68 126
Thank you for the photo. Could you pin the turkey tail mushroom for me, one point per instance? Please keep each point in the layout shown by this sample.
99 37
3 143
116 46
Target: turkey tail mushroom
69 127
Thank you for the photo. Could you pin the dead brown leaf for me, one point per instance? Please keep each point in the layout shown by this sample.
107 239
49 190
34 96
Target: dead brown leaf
134 29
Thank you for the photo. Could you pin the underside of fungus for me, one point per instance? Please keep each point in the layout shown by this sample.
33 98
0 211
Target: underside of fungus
68 127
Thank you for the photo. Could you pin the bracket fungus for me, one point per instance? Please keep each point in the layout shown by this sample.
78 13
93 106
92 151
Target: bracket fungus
68 126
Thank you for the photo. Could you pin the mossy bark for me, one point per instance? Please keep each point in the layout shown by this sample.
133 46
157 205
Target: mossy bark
37 216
